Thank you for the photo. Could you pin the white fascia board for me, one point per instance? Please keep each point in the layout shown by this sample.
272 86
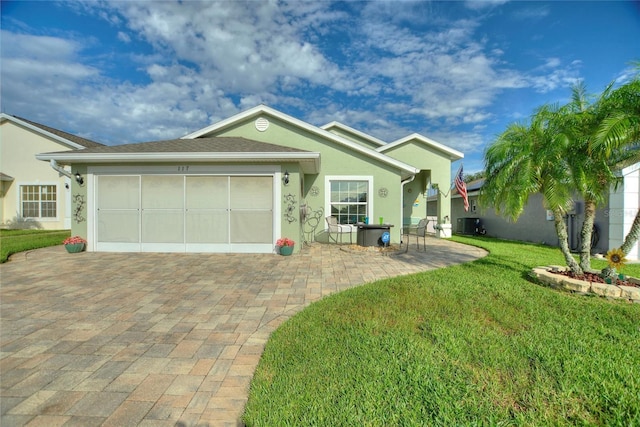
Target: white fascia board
453 154
357 132
309 160
263 109
41 131
226 122
630 169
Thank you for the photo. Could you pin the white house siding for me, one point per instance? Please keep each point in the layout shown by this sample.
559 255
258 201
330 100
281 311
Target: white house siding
623 207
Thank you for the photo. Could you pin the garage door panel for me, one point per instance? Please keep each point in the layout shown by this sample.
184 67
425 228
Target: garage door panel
251 192
207 226
251 227
207 192
162 192
118 192
162 226
119 226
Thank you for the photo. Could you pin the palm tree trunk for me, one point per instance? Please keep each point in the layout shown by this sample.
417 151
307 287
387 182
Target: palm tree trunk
632 236
563 241
585 234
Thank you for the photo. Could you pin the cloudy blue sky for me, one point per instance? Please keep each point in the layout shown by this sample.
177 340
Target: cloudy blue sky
457 72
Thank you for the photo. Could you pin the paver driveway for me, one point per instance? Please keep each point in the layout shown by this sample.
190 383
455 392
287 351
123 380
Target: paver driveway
161 339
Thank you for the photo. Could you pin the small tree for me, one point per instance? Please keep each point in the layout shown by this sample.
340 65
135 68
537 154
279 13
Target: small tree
527 159
590 170
573 149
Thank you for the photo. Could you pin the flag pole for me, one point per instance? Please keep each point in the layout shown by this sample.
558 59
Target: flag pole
452 182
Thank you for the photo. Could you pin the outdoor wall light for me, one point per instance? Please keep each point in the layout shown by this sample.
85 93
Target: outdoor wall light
79 178
285 179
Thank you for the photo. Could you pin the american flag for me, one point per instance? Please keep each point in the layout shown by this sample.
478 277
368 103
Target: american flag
462 188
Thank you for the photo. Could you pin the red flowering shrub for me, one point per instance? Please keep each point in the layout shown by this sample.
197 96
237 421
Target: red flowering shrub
73 240
285 241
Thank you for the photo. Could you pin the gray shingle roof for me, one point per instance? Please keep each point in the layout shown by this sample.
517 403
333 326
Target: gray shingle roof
73 138
472 186
198 145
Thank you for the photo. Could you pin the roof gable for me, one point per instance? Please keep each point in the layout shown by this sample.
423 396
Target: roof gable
292 121
65 138
353 134
416 138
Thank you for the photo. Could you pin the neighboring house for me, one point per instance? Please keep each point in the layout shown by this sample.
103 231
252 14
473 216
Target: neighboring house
613 221
242 183
623 207
33 195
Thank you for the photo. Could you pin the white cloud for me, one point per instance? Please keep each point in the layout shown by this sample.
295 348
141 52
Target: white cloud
207 60
626 75
554 75
483 4
245 47
44 48
124 37
442 74
532 11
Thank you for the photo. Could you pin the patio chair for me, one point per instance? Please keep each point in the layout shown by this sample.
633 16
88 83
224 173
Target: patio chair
337 230
418 230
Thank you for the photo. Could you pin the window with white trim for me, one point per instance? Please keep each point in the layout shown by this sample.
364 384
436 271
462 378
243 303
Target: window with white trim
38 201
349 199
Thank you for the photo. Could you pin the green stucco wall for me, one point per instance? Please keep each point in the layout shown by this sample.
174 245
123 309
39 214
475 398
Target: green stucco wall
79 196
436 167
336 160
290 205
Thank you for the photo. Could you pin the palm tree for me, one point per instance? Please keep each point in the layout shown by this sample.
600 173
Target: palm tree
619 132
527 159
566 150
590 169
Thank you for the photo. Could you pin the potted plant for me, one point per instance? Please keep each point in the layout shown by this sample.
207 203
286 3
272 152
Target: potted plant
285 246
74 244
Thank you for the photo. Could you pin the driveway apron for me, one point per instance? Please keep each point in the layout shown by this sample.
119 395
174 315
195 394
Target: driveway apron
119 339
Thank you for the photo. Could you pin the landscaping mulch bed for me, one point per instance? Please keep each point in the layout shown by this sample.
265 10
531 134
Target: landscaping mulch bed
596 278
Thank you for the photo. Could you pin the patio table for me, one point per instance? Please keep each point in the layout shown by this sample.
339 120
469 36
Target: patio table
371 234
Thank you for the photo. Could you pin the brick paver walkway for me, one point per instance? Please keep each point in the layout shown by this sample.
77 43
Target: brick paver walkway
161 339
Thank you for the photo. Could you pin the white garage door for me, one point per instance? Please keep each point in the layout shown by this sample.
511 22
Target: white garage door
178 213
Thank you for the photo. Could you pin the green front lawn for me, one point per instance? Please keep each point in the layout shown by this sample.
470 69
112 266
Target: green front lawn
474 344
14 241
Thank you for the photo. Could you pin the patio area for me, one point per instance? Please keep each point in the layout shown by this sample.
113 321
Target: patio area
145 339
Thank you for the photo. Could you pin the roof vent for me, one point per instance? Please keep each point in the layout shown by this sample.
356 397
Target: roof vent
262 124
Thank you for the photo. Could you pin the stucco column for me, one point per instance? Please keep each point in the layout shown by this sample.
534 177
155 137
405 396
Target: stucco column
444 214
79 206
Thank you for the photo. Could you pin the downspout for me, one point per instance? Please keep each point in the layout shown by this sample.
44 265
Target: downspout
61 171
